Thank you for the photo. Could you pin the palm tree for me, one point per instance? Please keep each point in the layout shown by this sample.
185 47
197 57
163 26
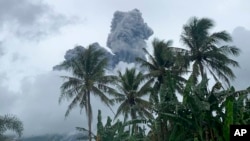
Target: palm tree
166 61
132 88
206 51
164 58
9 122
88 77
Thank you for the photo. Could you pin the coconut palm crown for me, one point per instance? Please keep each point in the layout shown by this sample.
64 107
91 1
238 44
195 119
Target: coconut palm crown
132 88
207 51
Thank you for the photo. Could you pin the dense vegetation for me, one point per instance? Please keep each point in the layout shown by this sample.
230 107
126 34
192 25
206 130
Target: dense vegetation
148 99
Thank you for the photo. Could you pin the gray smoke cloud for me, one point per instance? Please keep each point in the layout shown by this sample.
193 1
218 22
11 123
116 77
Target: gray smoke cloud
31 19
69 55
73 53
127 36
126 39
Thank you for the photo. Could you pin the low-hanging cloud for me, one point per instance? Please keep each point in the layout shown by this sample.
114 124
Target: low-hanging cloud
1 49
241 38
127 36
36 105
31 19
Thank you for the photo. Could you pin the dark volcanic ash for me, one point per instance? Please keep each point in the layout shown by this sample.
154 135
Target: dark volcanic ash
127 36
126 39
73 53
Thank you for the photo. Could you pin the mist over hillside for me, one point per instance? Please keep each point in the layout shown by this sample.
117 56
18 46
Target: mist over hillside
55 137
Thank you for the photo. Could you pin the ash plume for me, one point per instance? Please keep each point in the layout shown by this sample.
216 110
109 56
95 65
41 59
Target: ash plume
73 53
127 36
126 39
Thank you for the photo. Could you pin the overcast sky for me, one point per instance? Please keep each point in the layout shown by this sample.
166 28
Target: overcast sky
35 34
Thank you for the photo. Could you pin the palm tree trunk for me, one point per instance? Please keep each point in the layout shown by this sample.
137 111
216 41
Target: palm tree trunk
201 70
133 117
89 116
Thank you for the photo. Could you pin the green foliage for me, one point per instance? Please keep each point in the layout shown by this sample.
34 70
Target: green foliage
9 122
204 114
207 114
205 52
117 131
132 87
165 60
88 78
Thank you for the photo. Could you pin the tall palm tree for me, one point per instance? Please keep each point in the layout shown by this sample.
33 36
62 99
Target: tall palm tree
132 87
166 61
88 78
9 122
206 50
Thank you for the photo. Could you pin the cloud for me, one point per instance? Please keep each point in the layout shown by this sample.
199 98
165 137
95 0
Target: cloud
7 98
38 108
73 53
31 19
122 66
127 36
1 49
69 55
241 38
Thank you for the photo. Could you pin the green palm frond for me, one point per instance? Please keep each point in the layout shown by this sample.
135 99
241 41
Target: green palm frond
231 50
80 98
132 86
10 122
205 50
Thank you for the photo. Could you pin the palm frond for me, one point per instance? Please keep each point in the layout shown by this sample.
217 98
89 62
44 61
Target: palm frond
231 50
75 101
10 122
